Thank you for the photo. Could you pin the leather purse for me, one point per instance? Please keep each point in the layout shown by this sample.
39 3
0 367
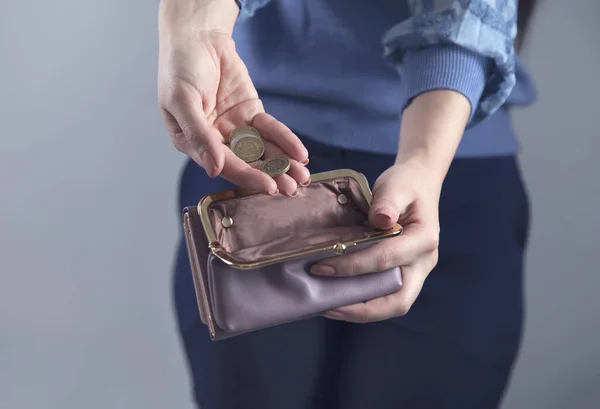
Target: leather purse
250 253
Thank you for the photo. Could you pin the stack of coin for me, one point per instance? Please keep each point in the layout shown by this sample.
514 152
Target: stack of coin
247 144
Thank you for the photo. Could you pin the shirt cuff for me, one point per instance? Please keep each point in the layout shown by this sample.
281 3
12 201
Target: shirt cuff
448 67
249 7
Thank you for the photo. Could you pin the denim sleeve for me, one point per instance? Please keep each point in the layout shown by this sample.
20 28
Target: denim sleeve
465 45
249 7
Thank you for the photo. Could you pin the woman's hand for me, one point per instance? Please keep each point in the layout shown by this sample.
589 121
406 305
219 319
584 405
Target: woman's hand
205 92
407 193
403 193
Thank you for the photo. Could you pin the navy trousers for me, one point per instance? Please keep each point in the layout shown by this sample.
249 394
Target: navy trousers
454 349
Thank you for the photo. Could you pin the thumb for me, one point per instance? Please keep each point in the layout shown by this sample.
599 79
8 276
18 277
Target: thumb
389 202
207 149
193 135
204 141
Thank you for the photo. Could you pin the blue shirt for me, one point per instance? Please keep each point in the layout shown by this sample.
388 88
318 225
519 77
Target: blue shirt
341 72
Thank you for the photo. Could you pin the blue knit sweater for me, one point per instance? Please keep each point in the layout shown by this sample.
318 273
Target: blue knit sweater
341 71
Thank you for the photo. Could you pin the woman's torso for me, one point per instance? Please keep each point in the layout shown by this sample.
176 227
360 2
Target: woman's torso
319 67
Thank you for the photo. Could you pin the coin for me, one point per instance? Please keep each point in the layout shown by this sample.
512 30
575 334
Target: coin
238 137
248 148
243 130
275 166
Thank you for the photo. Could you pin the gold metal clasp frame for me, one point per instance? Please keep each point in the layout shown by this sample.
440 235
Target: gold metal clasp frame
337 248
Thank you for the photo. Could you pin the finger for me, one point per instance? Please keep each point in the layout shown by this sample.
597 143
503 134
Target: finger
403 250
389 202
280 135
394 305
242 174
287 185
201 141
298 173
373 310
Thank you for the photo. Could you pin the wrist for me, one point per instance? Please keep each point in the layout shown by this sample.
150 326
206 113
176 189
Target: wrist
430 177
198 15
432 127
432 162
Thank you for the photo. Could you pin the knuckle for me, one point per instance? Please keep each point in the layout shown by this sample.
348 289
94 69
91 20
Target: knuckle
402 309
363 317
261 119
350 265
341 267
163 95
435 257
432 241
188 133
194 139
174 95
179 142
384 258
240 174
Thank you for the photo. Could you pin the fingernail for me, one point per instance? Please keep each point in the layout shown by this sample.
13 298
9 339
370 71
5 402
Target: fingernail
292 195
306 162
384 216
381 219
305 183
322 270
275 193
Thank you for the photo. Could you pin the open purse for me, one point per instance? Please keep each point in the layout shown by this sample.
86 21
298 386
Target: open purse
250 253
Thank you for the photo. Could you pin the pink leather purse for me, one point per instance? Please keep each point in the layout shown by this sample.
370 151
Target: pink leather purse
250 253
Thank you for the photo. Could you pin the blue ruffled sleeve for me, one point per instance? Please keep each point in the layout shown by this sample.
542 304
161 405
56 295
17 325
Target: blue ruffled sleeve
463 45
249 7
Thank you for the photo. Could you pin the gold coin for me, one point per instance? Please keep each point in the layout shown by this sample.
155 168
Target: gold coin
238 137
275 166
243 130
248 148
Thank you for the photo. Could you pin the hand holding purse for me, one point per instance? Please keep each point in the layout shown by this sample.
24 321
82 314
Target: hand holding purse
250 253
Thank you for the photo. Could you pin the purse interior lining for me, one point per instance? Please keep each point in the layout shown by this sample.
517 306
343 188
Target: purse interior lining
271 226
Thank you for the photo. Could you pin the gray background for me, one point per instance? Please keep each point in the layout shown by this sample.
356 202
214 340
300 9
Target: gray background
88 214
